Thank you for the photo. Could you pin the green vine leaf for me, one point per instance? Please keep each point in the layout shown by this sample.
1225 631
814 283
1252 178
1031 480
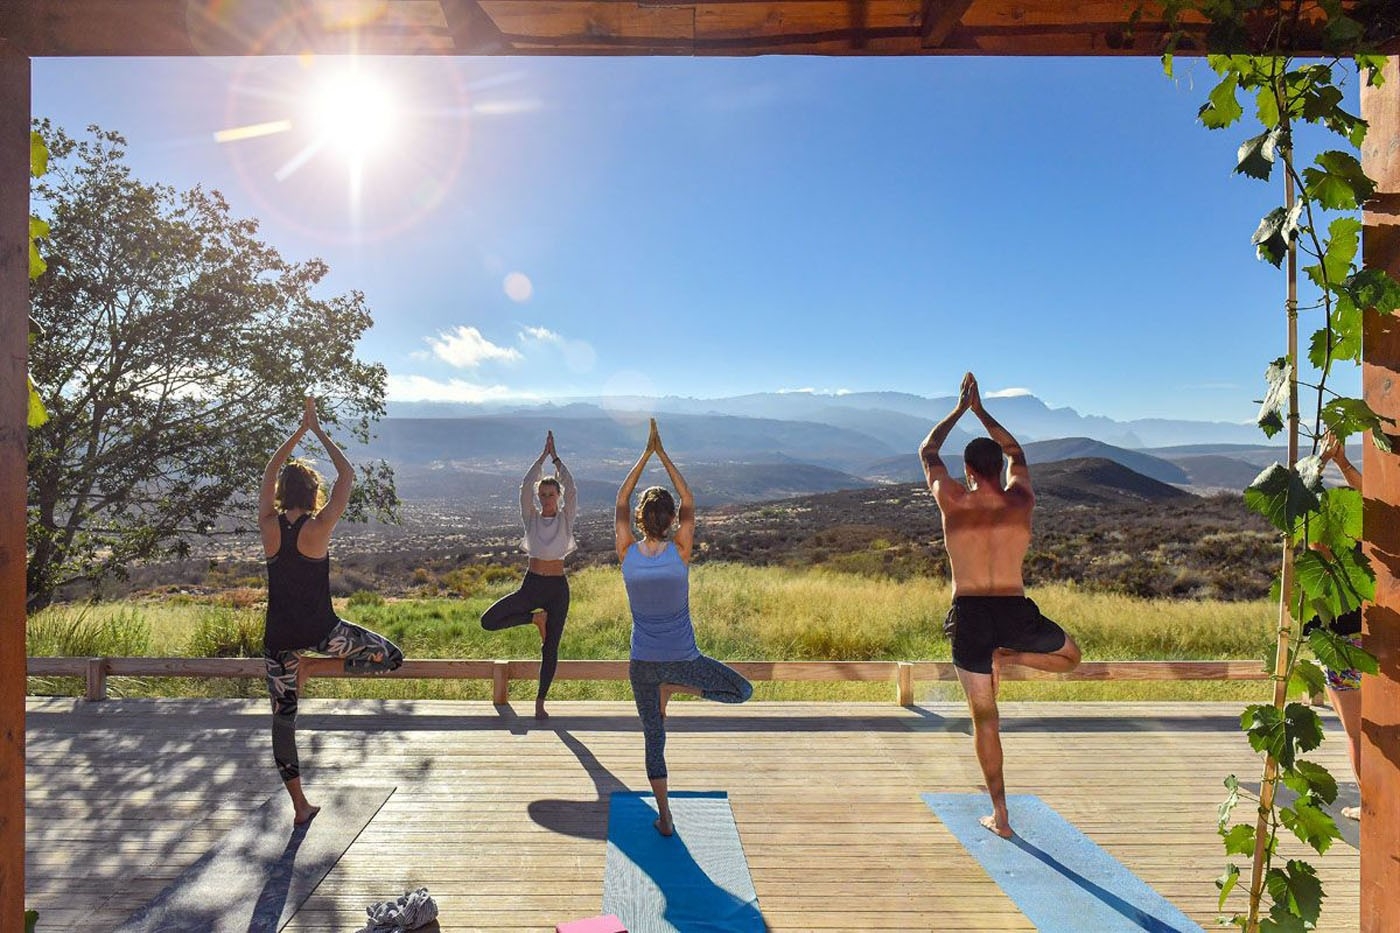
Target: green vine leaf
1338 183
1332 587
1277 377
1281 735
1221 107
1343 239
1373 288
1256 155
1295 888
1276 231
1343 342
1307 678
1337 652
1279 495
1348 416
1373 66
1311 824
1227 806
38 154
1239 839
1308 779
1226 883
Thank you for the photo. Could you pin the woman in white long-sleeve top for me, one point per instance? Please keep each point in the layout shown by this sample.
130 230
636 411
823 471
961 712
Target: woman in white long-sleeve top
543 596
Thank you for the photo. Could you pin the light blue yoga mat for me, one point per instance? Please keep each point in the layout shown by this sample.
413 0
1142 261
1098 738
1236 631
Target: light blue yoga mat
1056 875
695 881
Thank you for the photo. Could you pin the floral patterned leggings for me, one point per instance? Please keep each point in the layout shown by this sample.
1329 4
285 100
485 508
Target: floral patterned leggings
358 646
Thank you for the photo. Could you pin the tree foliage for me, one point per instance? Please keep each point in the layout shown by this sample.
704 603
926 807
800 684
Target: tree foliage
177 349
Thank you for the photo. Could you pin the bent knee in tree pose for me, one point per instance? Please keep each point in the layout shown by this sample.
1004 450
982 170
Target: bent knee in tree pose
548 506
656 573
296 531
987 530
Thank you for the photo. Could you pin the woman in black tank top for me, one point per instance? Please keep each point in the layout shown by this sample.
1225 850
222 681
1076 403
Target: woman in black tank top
296 530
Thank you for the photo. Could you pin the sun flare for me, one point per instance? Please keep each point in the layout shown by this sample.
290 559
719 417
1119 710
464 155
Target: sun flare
354 115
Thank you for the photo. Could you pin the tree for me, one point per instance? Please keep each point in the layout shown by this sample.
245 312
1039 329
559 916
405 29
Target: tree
177 350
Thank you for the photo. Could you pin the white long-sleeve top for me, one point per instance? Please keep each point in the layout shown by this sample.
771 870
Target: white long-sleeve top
548 538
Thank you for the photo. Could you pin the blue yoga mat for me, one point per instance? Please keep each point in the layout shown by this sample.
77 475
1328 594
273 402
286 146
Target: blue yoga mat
695 881
1056 875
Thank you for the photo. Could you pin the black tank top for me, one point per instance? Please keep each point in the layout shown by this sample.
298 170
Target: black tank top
299 612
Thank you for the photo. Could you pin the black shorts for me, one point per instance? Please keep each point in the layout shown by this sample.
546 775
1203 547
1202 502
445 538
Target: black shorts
978 625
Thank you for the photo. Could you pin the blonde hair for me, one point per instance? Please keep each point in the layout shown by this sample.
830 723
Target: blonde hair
656 510
299 486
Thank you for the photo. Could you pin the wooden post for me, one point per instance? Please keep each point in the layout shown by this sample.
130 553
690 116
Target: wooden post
1380 374
904 684
14 407
500 683
96 679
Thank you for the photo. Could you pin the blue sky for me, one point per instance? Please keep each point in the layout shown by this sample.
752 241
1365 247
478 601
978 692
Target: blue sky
548 227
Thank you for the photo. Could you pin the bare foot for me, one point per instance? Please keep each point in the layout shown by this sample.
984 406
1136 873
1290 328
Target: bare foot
664 826
304 814
666 691
1002 829
1351 813
539 710
539 619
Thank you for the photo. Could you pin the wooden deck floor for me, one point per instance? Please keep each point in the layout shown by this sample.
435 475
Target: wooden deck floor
504 820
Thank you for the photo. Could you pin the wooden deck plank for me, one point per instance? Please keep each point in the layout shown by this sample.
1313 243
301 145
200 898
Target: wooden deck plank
504 821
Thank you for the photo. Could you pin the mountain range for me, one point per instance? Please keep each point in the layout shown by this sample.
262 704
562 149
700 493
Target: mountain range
768 446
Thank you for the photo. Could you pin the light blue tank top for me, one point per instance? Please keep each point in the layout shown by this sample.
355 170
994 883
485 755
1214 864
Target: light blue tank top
658 590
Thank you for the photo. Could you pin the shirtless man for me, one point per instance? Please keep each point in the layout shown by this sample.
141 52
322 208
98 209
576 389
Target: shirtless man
987 529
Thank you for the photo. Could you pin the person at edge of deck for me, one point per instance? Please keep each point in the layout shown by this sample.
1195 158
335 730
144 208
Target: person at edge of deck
987 530
656 572
296 534
1344 686
543 596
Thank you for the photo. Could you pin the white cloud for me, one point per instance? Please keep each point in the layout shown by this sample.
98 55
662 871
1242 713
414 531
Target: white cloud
1009 393
414 388
465 348
542 334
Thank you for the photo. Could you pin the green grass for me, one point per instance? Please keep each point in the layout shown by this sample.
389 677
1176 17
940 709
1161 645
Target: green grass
741 613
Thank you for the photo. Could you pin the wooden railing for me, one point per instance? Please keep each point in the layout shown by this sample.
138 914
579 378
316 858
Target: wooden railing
902 674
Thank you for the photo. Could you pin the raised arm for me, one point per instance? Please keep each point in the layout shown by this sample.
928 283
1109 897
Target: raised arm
623 535
566 479
685 531
532 476
344 475
1334 450
267 493
1019 473
935 470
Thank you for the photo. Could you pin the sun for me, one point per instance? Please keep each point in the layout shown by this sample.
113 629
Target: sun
353 115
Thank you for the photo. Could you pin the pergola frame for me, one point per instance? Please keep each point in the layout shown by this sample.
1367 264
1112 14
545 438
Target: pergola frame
42 28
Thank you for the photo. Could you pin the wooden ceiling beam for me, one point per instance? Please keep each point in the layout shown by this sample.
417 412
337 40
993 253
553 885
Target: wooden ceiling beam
939 19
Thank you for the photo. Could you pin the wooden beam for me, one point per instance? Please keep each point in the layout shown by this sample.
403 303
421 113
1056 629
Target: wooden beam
1380 377
939 19
14 406
473 32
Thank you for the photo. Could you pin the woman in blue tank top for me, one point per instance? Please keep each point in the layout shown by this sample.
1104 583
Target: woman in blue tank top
296 534
656 571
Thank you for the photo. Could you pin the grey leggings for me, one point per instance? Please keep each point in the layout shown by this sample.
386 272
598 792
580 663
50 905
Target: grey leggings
356 645
714 680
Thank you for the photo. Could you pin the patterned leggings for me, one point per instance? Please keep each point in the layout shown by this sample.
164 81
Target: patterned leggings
714 680
356 645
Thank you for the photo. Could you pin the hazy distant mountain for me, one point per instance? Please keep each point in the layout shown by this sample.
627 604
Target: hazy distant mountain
877 414
906 469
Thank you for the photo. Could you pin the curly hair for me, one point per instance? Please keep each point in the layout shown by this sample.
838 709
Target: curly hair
299 486
656 510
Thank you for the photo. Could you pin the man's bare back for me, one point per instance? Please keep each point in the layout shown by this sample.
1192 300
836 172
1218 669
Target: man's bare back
987 531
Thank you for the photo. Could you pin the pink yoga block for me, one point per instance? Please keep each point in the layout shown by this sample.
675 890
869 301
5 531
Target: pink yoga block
604 924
